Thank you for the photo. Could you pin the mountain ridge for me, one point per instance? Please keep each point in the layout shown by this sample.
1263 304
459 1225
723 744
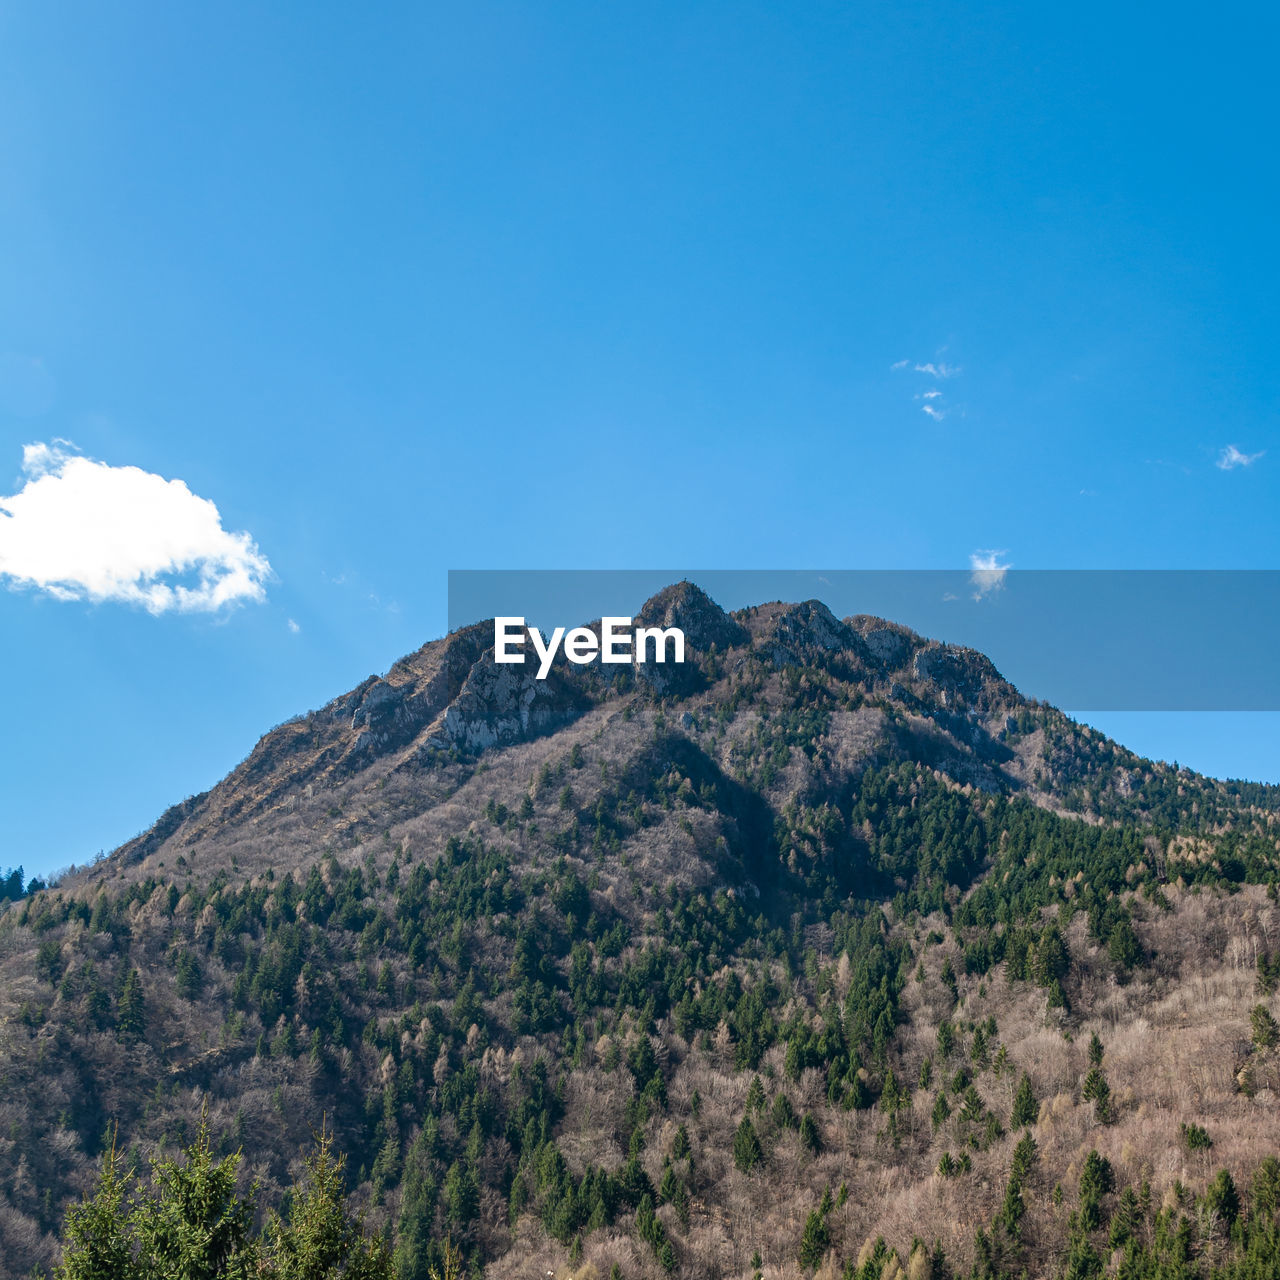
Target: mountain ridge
449 696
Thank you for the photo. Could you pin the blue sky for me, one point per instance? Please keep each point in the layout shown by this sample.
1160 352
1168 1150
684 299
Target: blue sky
409 288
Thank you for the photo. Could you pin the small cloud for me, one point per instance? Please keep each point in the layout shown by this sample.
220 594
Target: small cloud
938 370
987 573
1231 458
293 627
934 412
84 530
948 596
930 395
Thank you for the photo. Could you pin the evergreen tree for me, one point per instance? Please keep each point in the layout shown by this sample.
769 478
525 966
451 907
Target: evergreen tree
1025 1107
814 1240
130 1008
319 1239
747 1152
809 1136
1266 1033
1095 1050
1223 1199
97 1239
193 1225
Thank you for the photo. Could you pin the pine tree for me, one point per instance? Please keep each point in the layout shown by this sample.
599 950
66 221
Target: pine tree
1096 1090
1025 1107
814 1240
193 1225
747 1152
130 1008
319 1239
809 1135
97 1236
1265 1031
680 1145
1223 1199
1095 1050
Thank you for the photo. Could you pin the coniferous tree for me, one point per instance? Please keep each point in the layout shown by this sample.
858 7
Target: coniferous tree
809 1135
97 1239
814 1240
747 1152
1025 1107
319 1239
1266 1034
192 1224
130 1009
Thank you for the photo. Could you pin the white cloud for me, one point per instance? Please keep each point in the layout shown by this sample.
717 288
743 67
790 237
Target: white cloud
293 627
987 572
930 395
934 412
84 530
1231 458
938 370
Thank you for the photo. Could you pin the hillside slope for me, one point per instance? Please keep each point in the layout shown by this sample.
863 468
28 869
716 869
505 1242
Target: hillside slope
707 970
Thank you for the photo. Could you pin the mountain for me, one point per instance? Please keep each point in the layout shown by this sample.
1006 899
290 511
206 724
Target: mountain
827 950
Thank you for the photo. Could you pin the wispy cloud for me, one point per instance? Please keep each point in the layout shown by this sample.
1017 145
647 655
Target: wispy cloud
1231 458
83 530
936 369
987 572
293 627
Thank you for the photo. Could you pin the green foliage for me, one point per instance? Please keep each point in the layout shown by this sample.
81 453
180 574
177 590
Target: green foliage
131 1018
1026 1108
815 1240
1096 1089
11 885
1096 1050
1222 1199
318 1239
1013 1208
810 1139
1195 1138
1266 1033
97 1239
747 1152
1096 1180
192 1223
